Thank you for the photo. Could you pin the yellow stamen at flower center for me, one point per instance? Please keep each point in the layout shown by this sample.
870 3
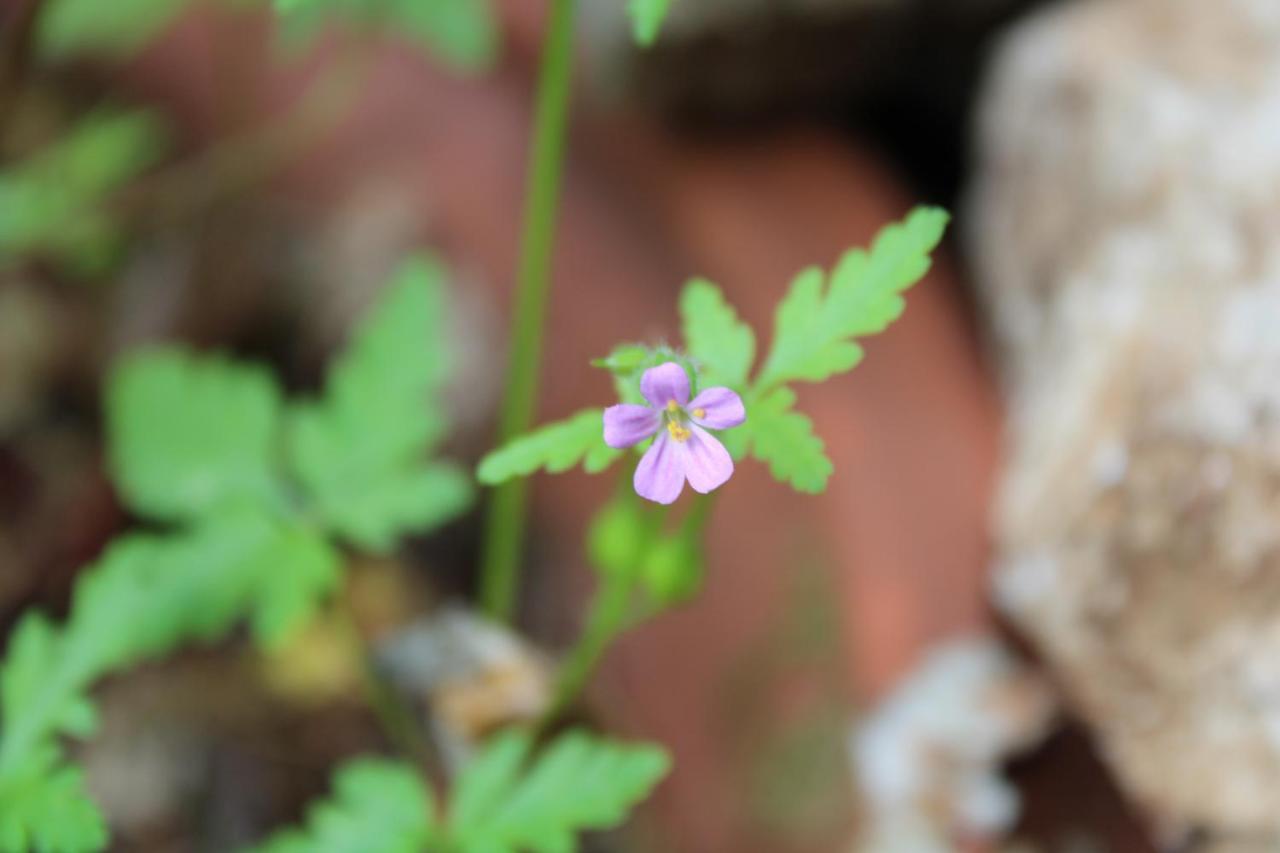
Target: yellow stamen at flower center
699 413
673 406
678 432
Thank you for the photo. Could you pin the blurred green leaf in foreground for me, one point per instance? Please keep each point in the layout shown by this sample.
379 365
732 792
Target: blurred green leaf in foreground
55 202
503 802
210 446
463 33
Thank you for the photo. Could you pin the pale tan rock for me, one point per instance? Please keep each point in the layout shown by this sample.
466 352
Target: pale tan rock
1126 232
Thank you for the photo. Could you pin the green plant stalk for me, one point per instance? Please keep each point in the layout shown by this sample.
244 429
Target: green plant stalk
607 620
504 523
613 614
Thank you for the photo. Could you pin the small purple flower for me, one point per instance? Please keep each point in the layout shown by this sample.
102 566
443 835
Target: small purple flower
683 449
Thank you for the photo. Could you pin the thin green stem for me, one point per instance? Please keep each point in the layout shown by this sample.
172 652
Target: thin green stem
504 524
607 619
613 612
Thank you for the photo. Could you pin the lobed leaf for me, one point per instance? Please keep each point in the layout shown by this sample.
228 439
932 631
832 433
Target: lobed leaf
816 324
190 435
361 451
580 782
50 811
377 806
785 441
463 33
115 29
556 447
723 345
143 598
53 203
298 569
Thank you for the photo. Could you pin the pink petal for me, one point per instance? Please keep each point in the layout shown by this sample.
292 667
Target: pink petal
628 424
717 408
664 383
660 474
706 463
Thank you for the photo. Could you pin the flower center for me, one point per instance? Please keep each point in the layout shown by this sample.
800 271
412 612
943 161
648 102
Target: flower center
673 406
677 431
699 413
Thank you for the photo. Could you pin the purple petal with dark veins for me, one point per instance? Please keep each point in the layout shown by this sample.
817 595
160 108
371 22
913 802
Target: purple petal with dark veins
628 424
664 383
717 408
660 474
706 463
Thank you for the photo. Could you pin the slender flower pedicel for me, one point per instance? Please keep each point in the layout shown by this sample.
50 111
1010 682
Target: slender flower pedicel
683 449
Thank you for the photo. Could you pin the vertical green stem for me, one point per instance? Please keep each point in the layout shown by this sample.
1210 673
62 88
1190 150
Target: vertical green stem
606 620
504 525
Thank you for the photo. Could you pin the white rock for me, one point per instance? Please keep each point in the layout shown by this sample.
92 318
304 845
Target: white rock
927 760
1125 229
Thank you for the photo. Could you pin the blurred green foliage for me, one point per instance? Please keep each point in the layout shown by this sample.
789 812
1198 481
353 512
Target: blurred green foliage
463 33
359 452
54 203
378 806
627 542
503 802
646 19
201 442
195 434
114 29
144 597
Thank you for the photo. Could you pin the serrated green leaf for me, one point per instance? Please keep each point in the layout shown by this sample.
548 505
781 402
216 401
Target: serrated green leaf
299 569
145 596
784 439
361 451
50 812
377 806
463 33
53 203
413 501
580 782
190 435
115 29
556 447
625 358
487 781
646 19
814 329
723 345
